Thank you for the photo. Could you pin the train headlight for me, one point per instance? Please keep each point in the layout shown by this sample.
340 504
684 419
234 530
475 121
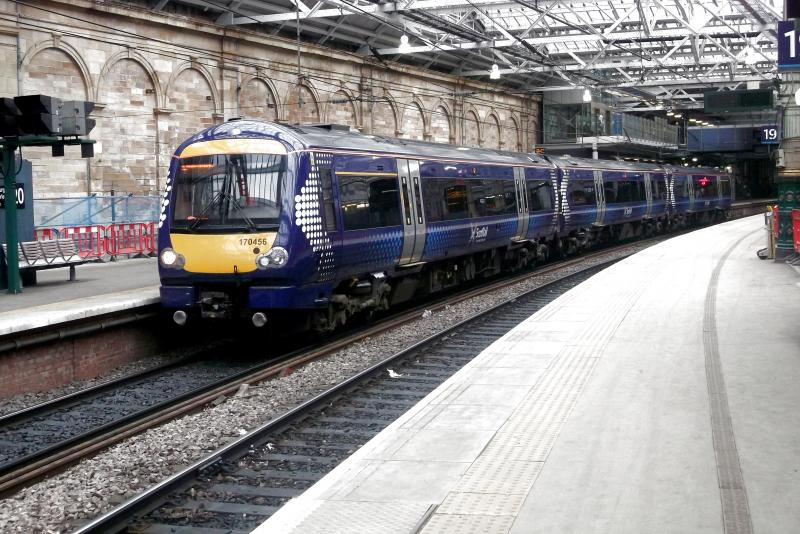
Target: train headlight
276 257
171 259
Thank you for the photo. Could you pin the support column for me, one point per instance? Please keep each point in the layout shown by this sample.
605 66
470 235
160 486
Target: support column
12 258
788 180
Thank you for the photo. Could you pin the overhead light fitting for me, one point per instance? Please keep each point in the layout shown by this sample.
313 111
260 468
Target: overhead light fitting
670 114
495 72
404 47
678 116
587 95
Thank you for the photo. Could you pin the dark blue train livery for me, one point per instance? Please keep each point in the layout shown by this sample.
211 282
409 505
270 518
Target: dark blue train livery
310 225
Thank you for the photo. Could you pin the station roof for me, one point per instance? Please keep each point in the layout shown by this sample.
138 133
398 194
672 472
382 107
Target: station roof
644 50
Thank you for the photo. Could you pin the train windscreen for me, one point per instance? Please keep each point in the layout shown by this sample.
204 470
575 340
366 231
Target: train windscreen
234 192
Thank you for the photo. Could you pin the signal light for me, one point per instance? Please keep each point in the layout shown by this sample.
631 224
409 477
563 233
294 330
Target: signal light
38 114
45 115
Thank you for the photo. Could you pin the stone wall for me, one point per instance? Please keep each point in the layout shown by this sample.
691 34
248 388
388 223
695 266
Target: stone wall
151 94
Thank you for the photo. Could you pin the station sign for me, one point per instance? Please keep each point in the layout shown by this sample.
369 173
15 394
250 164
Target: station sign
20 190
769 134
788 45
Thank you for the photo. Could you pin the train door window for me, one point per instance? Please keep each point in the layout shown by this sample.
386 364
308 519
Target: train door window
326 181
581 192
725 187
369 201
610 191
704 186
540 195
681 186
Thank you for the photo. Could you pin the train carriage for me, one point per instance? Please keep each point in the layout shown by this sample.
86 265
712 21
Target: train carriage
261 218
310 225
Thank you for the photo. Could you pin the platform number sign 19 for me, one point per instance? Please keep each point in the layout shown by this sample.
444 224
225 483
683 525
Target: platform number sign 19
788 45
768 135
20 190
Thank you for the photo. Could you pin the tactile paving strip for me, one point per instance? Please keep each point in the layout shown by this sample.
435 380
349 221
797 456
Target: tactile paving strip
355 517
481 504
496 474
468 524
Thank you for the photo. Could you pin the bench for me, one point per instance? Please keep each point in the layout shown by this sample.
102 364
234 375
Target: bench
37 255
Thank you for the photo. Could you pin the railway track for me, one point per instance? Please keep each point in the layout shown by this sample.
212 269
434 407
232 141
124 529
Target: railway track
239 486
41 440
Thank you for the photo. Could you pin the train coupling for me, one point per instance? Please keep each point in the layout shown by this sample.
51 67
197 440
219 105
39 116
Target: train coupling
215 305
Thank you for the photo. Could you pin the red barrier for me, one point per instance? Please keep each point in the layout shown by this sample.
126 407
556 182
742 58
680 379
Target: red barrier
45 234
149 233
123 239
114 239
796 230
89 240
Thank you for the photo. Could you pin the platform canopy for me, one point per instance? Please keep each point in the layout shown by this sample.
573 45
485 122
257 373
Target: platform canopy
646 49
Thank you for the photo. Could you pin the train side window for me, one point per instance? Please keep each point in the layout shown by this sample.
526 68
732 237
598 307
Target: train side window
488 197
725 187
630 191
369 201
326 180
581 192
540 195
509 196
681 187
445 199
610 192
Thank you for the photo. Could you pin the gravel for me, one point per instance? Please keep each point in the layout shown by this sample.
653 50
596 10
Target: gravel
94 486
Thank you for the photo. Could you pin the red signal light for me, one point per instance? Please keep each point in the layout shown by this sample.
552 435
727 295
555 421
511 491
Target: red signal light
704 181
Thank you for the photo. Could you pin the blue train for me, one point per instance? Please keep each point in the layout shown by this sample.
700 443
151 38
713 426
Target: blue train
309 226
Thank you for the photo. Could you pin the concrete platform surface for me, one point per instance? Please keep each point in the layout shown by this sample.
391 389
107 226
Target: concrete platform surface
660 396
100 288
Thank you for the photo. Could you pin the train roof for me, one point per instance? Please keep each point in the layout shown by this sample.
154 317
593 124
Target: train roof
605 164
336 137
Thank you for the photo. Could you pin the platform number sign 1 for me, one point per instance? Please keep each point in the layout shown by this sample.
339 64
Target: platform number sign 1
768 135
20 190
788 45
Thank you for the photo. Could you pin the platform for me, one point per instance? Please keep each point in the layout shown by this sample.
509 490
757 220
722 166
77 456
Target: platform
659 396
100 288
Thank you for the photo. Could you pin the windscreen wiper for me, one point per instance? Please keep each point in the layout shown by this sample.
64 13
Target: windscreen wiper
195 223
247 220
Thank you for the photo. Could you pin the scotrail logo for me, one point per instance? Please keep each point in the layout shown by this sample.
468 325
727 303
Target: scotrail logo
478 234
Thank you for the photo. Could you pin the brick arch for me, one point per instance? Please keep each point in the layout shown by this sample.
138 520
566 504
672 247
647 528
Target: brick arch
413 114
69 51
336 110
510 137
441 123
55 68
301 114
380 126
127 125
130 55
271 97
473 134
193 65
191 109
492 136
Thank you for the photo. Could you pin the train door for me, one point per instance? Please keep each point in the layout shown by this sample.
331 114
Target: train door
601 196
523 215
648 194
413 212
690 188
